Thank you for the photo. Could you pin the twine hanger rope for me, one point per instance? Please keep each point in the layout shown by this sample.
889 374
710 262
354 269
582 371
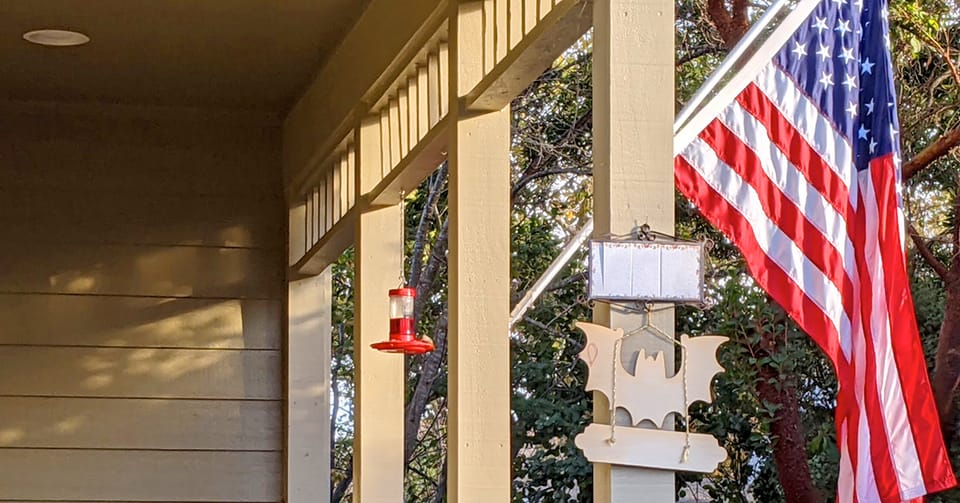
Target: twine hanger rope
650 328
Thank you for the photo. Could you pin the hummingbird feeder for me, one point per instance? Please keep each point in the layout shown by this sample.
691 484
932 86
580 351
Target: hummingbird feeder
403 334
403 326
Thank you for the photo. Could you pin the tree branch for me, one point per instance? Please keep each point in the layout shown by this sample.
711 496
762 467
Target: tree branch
565 282
420 242
786 427
533 171
927 254
426 477
438 256
340 490
731 24
441 493
931 153
529 177
335 391
955 263
429 373
698 53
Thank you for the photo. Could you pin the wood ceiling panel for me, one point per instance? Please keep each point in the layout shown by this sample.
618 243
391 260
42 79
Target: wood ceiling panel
252 54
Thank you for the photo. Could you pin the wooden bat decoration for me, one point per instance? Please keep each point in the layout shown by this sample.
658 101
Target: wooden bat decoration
647 392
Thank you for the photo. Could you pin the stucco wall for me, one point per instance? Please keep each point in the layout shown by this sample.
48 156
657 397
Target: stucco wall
141 301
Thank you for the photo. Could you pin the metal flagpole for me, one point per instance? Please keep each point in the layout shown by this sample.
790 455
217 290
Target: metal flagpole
728 63
742 70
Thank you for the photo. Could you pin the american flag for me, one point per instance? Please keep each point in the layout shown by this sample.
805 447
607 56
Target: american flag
802 172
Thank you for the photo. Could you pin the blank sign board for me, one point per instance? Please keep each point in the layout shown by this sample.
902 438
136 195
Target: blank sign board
650 271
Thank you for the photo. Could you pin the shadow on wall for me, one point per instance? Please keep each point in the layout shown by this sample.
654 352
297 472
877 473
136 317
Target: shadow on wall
141 294
189 334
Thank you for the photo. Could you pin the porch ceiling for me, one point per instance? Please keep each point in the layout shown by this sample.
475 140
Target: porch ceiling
251 54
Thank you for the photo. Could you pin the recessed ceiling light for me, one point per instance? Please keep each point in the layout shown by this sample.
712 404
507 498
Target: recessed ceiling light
56 38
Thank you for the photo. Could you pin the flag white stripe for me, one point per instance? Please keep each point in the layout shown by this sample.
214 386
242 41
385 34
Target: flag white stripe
901 218
772 241
895 415
866 482
867 490
791 182
845 479
805 116
816 208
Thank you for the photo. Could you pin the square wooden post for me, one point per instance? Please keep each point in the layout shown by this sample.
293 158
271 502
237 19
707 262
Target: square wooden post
479 425
308 376
379 377
633 110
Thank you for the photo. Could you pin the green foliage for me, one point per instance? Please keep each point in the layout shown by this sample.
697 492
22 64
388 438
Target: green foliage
552 160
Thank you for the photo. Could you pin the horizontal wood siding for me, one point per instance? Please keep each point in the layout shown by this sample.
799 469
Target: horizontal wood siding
188 157
149 270
47 474
80 217
131 423
141 309
141 372
112 321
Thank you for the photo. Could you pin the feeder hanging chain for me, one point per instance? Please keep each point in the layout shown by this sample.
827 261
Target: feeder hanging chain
613 391
403 240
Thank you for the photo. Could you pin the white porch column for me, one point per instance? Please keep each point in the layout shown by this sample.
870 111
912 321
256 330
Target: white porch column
379 377
633 82
308 378
479 261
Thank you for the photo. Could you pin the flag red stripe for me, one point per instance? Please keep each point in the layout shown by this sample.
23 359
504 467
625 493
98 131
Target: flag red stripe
768 274
907 350
882 462
779 208
848 411
793 144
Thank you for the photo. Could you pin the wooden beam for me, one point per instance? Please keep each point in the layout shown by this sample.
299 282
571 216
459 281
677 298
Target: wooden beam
533 54
378 48
308 389
424 159
328 249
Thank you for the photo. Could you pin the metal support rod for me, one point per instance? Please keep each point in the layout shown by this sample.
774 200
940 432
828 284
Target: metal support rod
548 275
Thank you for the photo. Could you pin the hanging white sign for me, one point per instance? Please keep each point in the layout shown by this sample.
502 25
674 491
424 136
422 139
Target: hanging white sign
647 270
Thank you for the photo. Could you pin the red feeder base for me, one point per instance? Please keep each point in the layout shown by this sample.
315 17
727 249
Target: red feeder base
411 347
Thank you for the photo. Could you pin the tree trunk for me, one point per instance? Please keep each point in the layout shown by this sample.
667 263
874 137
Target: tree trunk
790 443
789 447
338 491
429 373
946 374
732 23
